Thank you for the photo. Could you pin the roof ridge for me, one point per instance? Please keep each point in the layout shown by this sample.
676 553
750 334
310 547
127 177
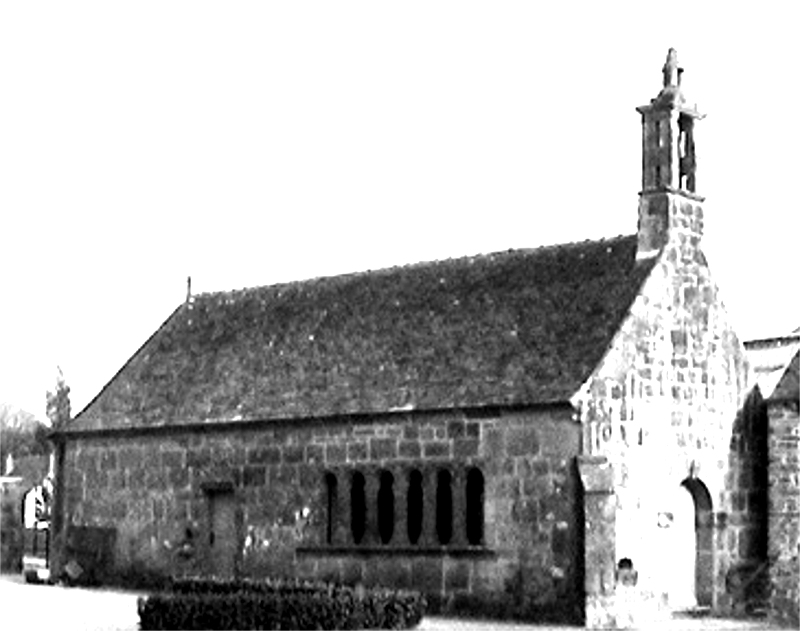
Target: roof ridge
410 266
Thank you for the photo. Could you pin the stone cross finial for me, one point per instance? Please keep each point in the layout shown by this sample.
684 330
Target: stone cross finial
672 73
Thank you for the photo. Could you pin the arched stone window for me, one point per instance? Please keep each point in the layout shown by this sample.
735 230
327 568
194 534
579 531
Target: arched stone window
332 501
444 507
474 498
358 507
414 500
386 507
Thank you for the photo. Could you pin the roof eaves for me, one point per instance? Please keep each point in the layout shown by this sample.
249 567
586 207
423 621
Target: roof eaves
225 424
69 427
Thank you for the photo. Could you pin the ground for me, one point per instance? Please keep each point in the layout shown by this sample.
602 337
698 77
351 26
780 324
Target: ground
34 607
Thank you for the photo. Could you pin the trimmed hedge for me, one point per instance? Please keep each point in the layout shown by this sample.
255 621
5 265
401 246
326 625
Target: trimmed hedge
278 604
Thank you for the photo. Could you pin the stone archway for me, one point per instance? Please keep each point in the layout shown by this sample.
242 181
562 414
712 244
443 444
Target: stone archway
704 541
687 546
679 550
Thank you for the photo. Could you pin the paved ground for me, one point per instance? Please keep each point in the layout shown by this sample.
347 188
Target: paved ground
676 624
47 607
33 607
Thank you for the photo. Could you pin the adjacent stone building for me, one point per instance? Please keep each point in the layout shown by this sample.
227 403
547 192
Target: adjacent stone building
776 398
19 477
498 431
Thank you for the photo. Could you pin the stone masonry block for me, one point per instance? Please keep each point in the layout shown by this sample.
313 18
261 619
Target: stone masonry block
411 432
178 477
356 452
335 454
129 457
108 460
465 448
596 473
455 429
172 458
436 449
396 574
293 454
87 460
456 576
199 458
409 449
493 446
309 477
393 431
522 441
382 448
285 475
352 571
427 575
315 454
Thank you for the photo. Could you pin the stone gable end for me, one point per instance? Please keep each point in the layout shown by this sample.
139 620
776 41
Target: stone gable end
666 408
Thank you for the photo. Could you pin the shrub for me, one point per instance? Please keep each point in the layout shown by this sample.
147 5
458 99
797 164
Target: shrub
278 604
504 607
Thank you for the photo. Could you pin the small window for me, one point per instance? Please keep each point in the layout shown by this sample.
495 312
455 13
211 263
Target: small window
358 508
332 501
414 506
444 507
386 507
475 507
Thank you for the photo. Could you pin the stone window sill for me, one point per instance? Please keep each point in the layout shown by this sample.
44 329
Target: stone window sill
371 550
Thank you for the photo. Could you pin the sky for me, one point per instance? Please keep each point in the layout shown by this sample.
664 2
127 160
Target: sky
251 143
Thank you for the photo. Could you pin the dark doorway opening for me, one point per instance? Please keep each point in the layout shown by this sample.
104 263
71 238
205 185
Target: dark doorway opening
704 541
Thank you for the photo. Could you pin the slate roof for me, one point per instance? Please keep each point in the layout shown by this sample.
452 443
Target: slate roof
789 385
771 361
515 327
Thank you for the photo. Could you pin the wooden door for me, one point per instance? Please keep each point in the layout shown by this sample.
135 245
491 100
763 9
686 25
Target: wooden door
222 536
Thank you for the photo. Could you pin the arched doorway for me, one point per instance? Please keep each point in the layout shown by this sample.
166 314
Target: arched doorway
704 541
688 546
680 550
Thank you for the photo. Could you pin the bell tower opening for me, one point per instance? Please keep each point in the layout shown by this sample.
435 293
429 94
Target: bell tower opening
668 202
686 153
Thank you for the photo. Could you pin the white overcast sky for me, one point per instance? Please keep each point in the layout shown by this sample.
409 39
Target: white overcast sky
252 143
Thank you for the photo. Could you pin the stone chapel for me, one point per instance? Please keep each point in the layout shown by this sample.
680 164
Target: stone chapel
507 431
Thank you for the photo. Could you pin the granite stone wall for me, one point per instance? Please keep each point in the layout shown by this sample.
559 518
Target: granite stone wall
784 511
515 530
662 408
743 531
